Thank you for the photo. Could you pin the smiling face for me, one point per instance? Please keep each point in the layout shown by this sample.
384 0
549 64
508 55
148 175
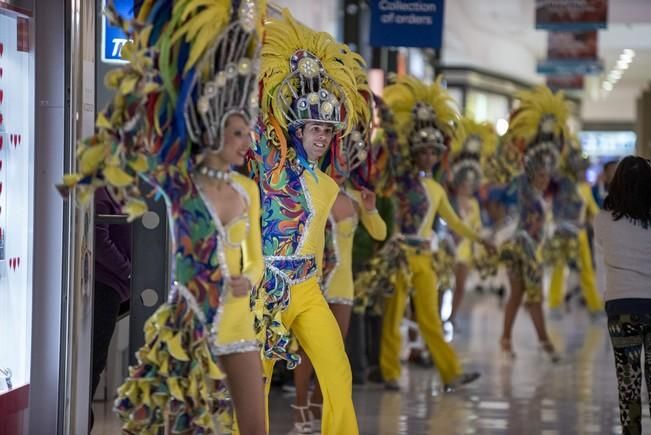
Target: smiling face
316 138
237 138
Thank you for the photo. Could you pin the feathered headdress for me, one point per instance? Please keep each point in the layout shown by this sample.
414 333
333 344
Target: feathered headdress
541 122
354 149
225 82
470 149
145 124
423 115
303 79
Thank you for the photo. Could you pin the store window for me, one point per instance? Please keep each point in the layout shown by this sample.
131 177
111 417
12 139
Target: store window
485 106
606 146
16 203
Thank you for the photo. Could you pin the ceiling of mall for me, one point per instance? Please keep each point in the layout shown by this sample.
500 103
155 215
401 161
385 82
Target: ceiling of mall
629 26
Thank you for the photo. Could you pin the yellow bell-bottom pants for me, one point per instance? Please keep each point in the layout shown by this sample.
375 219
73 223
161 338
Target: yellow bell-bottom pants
426 305
587 278
313 324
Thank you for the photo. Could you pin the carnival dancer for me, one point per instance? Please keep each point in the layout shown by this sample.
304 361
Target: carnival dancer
307 98
573 207
422 116
350 166
179 119
537 130
473 144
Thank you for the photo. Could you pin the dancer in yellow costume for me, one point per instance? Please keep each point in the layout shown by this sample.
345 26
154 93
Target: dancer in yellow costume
574 205
179 119
473 144
306 99
536 132
350 166
423 116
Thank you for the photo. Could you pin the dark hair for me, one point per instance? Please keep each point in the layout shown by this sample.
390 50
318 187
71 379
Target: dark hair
629 193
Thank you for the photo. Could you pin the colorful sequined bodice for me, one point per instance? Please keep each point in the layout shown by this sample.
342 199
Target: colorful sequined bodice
568 204
295 204
285 213
413 204
529 202
196 240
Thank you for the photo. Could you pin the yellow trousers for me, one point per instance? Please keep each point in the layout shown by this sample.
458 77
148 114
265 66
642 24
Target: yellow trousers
311 321
426 305
587 278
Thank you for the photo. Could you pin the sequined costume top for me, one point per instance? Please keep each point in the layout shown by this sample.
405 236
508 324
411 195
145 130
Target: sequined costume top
338 286
295 204
241 236
420 198
472 218
521 251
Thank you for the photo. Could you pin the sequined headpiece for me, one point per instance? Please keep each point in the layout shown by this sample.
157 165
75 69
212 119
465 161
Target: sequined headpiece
424 114
354 150
225 83
155 93
303 78
541 121
472 146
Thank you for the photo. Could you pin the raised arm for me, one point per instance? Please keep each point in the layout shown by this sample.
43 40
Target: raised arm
452 219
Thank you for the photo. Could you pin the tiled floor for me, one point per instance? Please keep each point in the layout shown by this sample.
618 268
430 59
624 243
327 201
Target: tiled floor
526 396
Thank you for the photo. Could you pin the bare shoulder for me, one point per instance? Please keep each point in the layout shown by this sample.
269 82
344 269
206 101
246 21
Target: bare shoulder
246 183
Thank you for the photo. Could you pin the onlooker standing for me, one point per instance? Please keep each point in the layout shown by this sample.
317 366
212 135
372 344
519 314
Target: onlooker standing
112 281
623 229
600 189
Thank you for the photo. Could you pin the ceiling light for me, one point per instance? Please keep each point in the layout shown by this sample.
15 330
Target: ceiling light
615 74
621 65
607 86
501 126
629 53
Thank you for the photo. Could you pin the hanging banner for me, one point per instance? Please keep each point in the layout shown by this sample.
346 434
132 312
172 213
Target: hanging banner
572 15
565 83
113 38
407 23
571 53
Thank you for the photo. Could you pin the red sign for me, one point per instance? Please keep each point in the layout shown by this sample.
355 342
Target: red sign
571 14
565 82
572 45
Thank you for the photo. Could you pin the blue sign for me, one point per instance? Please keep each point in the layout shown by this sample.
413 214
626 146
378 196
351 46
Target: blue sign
113 38
570 67
407 23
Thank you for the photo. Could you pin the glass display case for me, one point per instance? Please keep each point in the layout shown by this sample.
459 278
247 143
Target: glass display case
16 209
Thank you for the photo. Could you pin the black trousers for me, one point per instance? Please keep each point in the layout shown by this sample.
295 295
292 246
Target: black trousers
363 344
106 309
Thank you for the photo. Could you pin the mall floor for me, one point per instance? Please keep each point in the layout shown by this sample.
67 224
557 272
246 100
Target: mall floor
527 396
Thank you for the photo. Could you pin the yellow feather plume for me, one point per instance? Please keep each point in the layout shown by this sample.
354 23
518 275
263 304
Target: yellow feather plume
468 128
535 106
402 96
283 37
362 101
